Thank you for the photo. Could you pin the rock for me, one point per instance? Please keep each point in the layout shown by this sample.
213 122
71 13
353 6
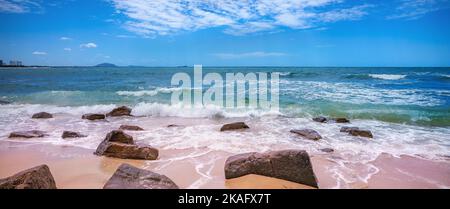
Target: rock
307 133
119 136
93 116
234 126
355 131
27 134
131 128
320 119
127 151
120 145
341 120
4 102
327 150
120 111
363 133
290 165
42 115
72 134
38 177
174 126
130 177
347 129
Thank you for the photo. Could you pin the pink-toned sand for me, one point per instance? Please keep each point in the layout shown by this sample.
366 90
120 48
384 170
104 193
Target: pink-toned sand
74 167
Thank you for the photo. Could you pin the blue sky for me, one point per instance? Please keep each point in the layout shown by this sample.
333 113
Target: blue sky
226 32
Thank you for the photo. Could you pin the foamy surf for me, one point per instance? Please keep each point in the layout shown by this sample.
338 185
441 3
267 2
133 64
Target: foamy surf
387 76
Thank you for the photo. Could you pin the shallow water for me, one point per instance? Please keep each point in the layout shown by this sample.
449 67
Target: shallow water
407 110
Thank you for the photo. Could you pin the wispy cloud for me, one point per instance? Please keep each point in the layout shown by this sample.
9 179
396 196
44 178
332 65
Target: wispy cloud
414 9
39 53
19 6
65 38
88 45
248 55
163 17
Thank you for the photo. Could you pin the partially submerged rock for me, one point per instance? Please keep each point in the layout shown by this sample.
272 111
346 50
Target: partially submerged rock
355 131
130 177
320 119
120 111
93 116
4 102
327 150
38 177
130 128
290 165
72 134
307 133
42 115
341 120
174 126
121 145
27 134
234 126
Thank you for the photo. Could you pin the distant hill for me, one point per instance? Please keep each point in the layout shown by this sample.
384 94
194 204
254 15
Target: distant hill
106 65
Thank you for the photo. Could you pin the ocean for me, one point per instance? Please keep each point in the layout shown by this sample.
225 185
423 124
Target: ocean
407 110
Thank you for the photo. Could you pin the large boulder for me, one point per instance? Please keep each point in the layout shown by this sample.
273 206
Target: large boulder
38 177
93 116
119 136
121 145
234 126
130 128
27 134
307 133
355 131
290 165
127 151
72 134
42 115
120 111
130 177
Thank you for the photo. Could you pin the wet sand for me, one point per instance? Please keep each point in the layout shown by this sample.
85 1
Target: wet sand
76 168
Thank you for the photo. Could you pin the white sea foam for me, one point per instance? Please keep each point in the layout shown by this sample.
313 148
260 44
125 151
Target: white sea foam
147 92
387 76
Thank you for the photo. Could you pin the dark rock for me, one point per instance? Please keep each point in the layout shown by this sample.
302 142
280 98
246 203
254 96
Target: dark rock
131 128
120 145
174 126
27 134
290 165
42 115
320 119
234 126
307 133
4 102
119 136
120 111
38 177
362 133
327 150
72 134
341 120
93 116
126 151
130 177
347 129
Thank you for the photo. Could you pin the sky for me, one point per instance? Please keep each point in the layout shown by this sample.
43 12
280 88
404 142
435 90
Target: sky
366 33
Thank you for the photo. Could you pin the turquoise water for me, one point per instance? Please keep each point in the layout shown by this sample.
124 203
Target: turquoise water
416 96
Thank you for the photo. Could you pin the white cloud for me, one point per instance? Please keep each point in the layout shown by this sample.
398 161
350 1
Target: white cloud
248 55
68 49
163 17
88 45
19 6
65 38
414 9
39 53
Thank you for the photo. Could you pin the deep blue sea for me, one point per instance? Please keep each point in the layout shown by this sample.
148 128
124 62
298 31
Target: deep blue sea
416 96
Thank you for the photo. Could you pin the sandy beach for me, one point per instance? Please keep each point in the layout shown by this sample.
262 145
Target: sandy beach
78 168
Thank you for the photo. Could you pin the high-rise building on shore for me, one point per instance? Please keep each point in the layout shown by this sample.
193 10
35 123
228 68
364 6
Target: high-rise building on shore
15 63
1 62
